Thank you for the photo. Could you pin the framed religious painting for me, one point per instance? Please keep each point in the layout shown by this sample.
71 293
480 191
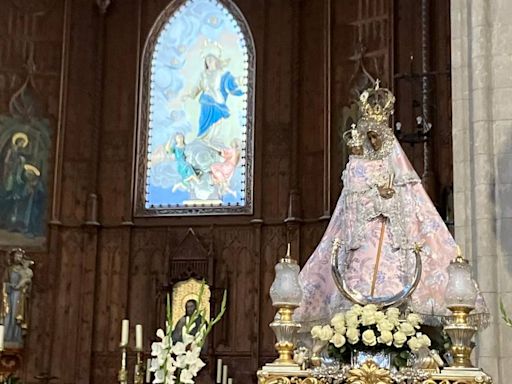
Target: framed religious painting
196 107
25 148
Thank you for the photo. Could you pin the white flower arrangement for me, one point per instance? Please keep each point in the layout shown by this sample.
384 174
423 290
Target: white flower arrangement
180 362
364 328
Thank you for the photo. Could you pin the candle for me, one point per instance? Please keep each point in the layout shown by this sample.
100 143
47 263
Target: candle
230 381
125 325
2 330
219 371
225 374
138 337
148 372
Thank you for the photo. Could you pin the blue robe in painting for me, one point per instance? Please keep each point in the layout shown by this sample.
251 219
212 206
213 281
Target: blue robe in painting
213 111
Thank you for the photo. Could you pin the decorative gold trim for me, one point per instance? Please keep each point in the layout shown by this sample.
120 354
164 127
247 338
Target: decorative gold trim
369 373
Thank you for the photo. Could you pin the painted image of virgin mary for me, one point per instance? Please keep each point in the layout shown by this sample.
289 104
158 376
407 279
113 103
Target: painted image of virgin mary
214 87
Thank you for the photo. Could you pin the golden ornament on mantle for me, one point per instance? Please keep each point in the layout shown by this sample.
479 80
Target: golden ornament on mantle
369 373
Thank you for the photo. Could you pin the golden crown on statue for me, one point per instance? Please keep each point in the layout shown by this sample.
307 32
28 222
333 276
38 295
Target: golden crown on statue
376 104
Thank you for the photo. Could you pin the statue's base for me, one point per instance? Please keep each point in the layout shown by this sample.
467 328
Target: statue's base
282 368
463 372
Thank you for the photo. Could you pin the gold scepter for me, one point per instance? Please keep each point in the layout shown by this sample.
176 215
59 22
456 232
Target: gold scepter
381 241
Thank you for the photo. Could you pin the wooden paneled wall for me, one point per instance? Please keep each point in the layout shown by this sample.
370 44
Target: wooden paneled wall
90 277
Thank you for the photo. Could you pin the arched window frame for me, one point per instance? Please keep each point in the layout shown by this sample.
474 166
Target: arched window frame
143 128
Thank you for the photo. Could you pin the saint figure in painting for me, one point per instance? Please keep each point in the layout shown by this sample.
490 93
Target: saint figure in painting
190 308
384 229
13 168
213 89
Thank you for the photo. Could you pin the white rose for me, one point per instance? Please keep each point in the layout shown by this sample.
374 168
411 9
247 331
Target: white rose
315 331
423 339
338 322
379 316
351 320
338 340
357 309
414 344
385 325
407 329
368 318
386 337
399 339
370 308
325 333
352 335
415 320
369 338
393 313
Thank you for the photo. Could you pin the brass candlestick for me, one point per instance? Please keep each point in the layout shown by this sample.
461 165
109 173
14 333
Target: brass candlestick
461 333
122 376
139 374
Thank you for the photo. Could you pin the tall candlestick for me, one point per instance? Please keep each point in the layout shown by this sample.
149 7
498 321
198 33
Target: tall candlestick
148 372
230 380
2 330
225 374
138 337
125 326
219 371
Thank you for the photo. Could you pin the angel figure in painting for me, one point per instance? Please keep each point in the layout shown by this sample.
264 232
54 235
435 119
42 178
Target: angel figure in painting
17 283
222 172
188 174
385 239
214 87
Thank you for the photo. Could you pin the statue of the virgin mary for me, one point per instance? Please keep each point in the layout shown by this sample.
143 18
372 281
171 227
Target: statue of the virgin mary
386 243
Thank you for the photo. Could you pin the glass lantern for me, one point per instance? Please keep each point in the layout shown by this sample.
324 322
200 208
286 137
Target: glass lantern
461 290
286 290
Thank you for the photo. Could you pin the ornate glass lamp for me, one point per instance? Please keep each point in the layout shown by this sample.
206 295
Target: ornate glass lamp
460 298
286 295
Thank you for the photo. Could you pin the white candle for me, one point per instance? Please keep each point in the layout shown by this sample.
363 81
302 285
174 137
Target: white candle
219 371
148 372
125 325
138 337
2 330
225 374
230 381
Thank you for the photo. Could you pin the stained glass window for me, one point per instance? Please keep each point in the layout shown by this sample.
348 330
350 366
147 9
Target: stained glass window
196 117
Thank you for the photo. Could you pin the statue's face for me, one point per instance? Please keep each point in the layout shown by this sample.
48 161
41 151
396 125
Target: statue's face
190 307
375 140
17 257
358 151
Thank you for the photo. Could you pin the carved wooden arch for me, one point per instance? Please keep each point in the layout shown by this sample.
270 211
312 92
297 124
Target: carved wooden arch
143 135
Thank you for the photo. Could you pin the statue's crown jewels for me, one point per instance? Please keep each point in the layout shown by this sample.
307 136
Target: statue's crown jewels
376 104
353 137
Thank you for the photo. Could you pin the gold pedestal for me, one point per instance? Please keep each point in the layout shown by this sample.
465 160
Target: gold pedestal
285 330
461 333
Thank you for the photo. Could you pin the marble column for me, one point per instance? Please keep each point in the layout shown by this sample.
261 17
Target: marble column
482 145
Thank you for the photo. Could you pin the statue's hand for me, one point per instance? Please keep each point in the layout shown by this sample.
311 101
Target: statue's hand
386 192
